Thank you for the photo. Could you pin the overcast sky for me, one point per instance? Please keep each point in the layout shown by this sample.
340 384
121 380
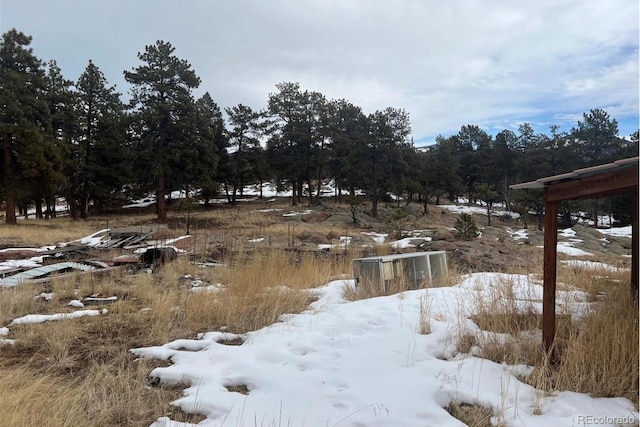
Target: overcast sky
493 63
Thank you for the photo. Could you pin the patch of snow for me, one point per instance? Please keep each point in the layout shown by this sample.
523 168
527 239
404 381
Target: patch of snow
305 212
41 318
591 265
344 362
4 332
378 238
518 234
567 232
619 231
75 303
218 287
45 296
409 242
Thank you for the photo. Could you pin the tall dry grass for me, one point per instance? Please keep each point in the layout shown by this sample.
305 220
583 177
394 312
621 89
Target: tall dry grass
600 355
84 365
595 354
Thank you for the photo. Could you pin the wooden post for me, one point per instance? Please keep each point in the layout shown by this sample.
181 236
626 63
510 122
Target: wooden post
634 246
549 274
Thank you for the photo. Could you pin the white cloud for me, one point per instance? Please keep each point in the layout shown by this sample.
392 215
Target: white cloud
487 62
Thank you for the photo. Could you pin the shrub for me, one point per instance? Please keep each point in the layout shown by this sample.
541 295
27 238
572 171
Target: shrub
466 228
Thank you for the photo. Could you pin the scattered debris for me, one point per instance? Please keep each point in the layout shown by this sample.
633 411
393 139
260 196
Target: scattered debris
96 300
40 274
125 237
158 256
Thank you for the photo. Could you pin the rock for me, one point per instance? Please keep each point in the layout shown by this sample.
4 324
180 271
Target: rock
443 234
313 237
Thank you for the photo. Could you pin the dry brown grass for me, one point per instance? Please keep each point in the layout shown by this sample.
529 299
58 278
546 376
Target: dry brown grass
86 364
42 232
597 354
507 326
600 356
471 415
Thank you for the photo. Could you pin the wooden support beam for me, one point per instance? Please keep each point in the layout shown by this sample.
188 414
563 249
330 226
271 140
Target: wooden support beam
606 184
634 246
549 273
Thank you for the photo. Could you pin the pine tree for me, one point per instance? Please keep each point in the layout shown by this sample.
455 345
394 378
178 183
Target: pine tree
212 145
24 119
245 131
103 161
64 127
466 228
164 119
379 155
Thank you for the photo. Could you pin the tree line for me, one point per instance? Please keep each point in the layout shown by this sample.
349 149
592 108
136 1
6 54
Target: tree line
80 141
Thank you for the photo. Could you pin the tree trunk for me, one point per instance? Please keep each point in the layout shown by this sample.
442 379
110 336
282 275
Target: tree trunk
294 188
10 189
38 208
488 215
161 203
374 204
73 207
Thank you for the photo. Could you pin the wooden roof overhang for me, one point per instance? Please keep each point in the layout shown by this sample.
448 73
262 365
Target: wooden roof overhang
619 177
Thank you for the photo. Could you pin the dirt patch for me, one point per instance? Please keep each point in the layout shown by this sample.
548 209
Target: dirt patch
232 341
242 389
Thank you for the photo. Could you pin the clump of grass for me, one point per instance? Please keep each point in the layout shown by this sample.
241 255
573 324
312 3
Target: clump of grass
425 314
103 396
507 325
601 356
472 415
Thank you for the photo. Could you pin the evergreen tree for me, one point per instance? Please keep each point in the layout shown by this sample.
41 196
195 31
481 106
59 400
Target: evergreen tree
473 150
298 132
347 130
379 156
245 132
466 228
164 118
212 145
101 153
598 138
24 120
62 105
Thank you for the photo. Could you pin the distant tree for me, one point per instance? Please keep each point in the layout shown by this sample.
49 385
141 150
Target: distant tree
347 130
103 161
298 132
489 195
164 117
61 101
446 168
246 129
504 161
379 155
473 147
24 118
597 135
210 142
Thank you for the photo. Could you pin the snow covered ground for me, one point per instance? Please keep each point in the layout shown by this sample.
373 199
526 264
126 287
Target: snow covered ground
365 363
